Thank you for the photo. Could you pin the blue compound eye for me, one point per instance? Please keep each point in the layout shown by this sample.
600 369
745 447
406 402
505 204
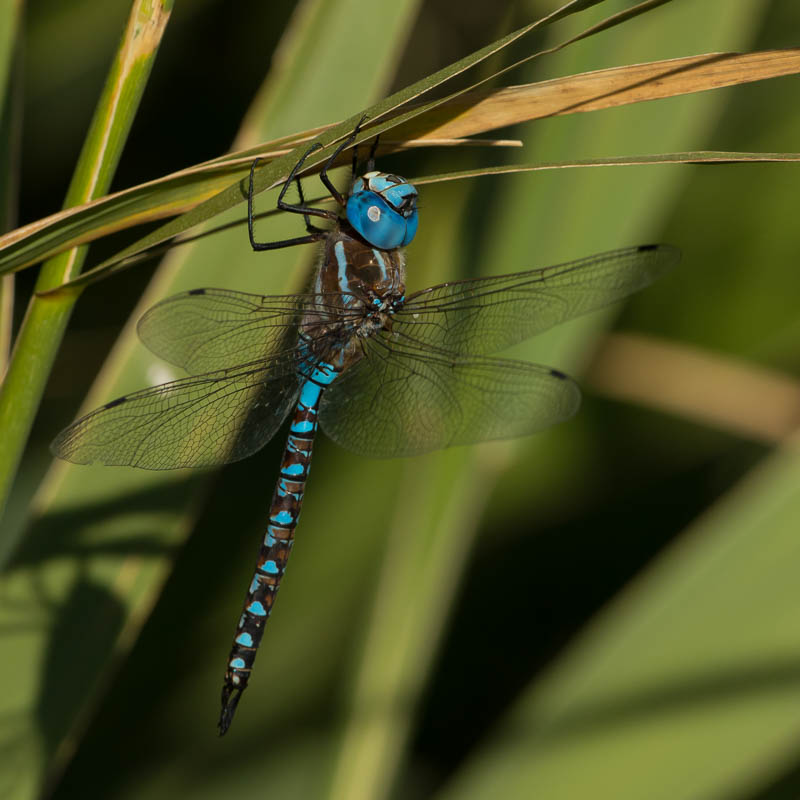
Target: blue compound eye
383 210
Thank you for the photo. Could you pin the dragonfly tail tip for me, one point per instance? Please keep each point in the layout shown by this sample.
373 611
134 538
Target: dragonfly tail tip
230 699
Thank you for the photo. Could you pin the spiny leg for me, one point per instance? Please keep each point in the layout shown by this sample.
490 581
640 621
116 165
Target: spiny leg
354 171
311 228
343 145
314 234
372 151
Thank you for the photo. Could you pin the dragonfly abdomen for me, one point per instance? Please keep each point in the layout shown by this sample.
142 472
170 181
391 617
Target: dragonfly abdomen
273 554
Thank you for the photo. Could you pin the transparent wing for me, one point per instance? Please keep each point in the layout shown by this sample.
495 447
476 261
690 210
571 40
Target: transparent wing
486 315
204 330
401 400
211 419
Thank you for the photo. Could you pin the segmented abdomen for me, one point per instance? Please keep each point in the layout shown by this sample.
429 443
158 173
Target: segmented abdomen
274 551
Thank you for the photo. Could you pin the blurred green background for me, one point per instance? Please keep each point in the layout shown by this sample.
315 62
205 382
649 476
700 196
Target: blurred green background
607 610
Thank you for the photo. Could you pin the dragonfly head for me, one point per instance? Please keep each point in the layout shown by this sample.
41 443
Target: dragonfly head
383 209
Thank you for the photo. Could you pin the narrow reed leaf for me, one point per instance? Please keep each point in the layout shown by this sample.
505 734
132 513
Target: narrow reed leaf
271 174
464 115
46 320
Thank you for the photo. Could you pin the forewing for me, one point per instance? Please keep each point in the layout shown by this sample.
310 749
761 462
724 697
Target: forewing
200 421
205 330
402 401
486 315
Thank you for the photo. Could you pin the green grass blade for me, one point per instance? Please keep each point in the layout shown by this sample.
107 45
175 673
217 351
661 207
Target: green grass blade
533 220
40 336
462 115
10 125
686 685
274 171
697 157
154 200
101 542
428 548
604 25
680 689
10 15
134 528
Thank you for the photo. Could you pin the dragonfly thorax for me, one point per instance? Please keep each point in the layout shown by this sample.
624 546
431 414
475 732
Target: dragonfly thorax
377 317
359 273
382 208
357 289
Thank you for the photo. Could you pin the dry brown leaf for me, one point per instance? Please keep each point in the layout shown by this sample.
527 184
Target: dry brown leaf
477 112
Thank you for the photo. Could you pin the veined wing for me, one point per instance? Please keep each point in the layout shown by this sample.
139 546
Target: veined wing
401 400
204 330
199 421
485 315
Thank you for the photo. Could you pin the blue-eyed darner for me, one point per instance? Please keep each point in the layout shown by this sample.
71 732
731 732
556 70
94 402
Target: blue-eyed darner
385 374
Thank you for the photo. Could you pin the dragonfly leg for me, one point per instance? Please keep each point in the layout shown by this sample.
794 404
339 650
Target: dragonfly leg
313 229
343 145
354 171
314 233
354 165
372 151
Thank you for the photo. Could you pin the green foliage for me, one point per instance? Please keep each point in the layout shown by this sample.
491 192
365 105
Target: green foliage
605 610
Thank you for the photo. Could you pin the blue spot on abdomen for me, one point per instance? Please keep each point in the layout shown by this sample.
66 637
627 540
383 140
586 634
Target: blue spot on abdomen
282 518
257 609
303 426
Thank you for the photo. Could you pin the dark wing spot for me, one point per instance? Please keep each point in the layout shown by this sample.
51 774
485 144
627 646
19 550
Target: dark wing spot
118 402
196 291
558 374
643 247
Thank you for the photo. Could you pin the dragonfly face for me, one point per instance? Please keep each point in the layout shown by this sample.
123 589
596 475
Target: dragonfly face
382 208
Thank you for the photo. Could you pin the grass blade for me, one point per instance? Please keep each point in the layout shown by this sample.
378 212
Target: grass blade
10 127
683 669
136 520
39 338
273 172
521 219
697 157
464 115
481 111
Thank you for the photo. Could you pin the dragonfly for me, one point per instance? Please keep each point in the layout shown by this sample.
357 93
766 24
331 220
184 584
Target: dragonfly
384 373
